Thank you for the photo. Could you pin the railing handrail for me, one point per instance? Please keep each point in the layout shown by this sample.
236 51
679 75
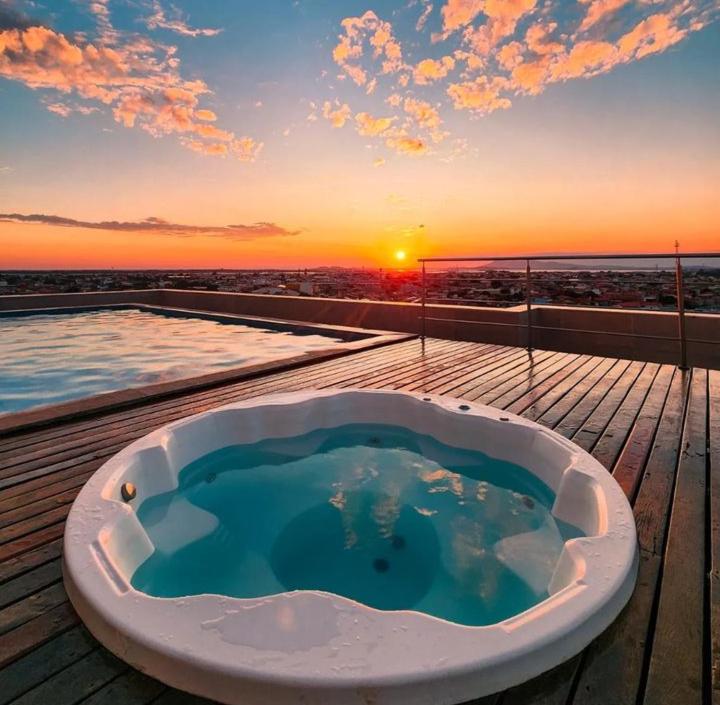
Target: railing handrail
544 258
677 256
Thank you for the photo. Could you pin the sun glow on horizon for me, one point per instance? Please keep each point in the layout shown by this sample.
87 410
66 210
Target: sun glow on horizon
400 255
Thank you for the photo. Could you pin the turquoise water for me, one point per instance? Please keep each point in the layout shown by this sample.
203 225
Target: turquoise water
52 358
379 514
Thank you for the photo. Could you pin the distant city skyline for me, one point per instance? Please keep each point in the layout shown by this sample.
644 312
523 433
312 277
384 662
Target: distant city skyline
158 134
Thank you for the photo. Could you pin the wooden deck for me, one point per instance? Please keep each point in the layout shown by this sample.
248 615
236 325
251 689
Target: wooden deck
655 427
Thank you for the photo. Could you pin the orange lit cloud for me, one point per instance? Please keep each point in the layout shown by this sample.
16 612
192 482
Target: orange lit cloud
481 95
367 31
502 18
157 226
458 13
336 113
501 49
597 9
370 126
138 79
425 114
429 70
404 143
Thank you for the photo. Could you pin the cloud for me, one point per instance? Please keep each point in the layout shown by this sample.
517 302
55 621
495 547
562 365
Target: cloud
539 39
424 114
379 161
597 10
429 70
458 13
370 126
137 79
404 143
510 55
207 115
586 58
489 53
336 113
482 95
158 226
371 33
65 110
159 20
422 20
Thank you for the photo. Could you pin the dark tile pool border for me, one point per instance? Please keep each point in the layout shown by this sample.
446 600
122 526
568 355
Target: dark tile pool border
354 340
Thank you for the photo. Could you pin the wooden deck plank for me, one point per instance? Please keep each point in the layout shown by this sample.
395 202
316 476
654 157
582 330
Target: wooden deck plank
597 422
610 443
552 414
714 533
30 582
32 606
579 415
549 688
32 634
82 678
676 662
634 454
26 561
45 661
614 666
628 414
477 384
554 391
129 688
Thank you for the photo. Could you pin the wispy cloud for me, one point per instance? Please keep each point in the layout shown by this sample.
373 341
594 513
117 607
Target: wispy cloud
253 231
175 23
137 78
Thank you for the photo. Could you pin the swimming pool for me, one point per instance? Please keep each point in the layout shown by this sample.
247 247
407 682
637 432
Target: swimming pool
59 355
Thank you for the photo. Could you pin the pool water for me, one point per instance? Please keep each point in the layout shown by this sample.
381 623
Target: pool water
52 358
379 514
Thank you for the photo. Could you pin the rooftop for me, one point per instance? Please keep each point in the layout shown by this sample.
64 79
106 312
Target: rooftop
654 426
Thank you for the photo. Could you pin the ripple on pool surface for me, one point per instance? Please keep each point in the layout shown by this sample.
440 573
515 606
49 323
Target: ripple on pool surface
378 514
54 358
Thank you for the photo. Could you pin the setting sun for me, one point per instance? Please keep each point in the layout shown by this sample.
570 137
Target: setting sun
400 255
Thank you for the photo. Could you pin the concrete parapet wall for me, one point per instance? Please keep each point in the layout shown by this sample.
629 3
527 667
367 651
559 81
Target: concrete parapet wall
637 335
21 302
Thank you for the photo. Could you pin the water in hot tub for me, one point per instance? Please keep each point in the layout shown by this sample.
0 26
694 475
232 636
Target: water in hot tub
378 514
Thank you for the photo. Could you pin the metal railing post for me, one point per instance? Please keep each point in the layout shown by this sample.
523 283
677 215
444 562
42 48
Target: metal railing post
680 295
528 304
422 306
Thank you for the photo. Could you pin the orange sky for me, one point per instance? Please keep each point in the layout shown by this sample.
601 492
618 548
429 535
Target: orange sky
498 135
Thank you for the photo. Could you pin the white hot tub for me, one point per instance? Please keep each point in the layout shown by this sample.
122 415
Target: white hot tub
349 547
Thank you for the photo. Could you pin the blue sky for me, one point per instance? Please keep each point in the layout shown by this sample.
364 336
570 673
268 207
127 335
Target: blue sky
540 125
